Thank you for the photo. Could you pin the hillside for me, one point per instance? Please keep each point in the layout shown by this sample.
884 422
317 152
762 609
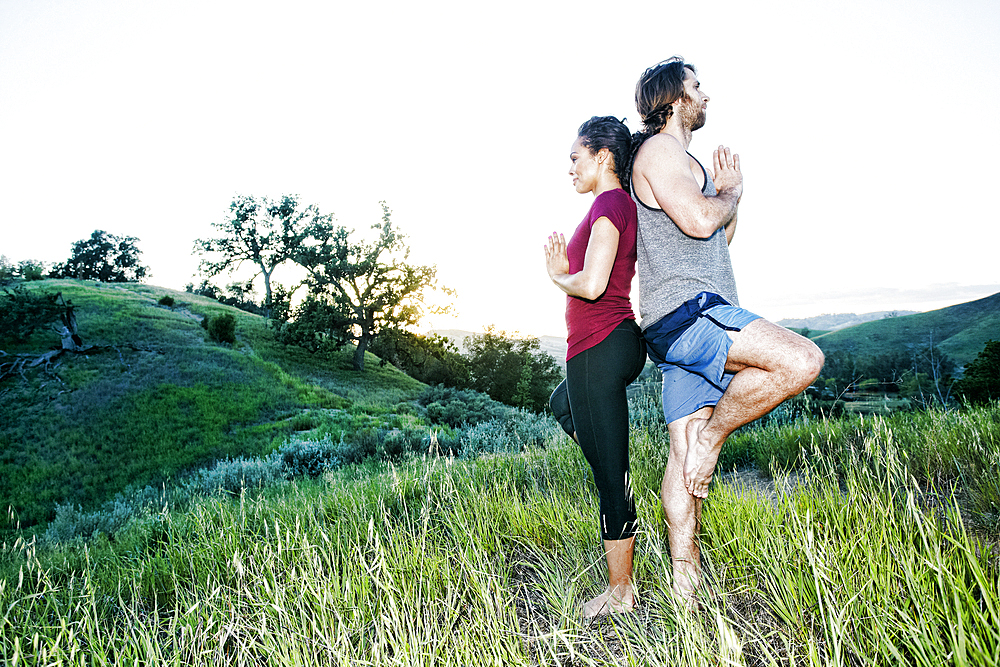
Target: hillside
838 321
960 331
160 397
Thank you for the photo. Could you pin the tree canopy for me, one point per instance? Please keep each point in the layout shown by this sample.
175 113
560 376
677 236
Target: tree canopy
512 370
360 289
981 381
104 257
267 233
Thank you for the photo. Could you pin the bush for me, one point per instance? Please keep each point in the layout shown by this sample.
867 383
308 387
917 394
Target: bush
31 269
72 522
522 431
309 458
455 407
232 476
22 312
167 301
222 328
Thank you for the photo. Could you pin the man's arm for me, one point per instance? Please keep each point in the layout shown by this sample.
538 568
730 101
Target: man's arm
666 169
731 230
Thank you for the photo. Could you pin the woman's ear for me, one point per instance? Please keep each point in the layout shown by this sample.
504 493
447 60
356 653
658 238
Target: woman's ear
603 156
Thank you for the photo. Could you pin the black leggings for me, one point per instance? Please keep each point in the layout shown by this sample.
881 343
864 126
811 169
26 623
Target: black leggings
592 403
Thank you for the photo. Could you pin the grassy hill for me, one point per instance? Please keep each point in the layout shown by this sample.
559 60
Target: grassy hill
860 555
162 398
960 331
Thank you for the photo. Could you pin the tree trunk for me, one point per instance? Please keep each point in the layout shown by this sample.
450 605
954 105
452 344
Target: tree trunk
267 290
359 352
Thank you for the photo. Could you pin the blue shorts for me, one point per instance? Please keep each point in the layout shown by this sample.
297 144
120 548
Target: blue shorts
690 346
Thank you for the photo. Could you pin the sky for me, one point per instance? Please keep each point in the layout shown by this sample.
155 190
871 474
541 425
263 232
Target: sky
866 129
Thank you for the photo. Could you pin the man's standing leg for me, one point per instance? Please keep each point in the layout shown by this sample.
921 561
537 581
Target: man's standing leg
683 512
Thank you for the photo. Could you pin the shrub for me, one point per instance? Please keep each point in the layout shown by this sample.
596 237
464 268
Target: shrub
167 301
523 430
309 458
222 328
232 476
455 407
72 522
23 311
31 269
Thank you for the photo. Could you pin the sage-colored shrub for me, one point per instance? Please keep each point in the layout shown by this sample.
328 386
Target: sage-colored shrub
222 328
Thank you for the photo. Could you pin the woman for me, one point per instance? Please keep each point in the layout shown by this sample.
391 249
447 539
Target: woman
605 348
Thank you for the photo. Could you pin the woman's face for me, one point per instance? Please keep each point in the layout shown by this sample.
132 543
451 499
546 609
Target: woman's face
584 167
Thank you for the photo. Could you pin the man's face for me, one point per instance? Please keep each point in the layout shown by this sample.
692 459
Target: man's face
692 107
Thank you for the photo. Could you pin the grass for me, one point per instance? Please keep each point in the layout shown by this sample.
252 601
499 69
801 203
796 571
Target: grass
161 398
858 555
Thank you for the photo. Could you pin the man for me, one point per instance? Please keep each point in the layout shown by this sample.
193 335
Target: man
722 366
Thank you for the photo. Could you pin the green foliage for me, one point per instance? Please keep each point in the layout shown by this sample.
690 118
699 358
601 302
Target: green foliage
7 270
842 563
522 431
921 373
31 269
167 301
316 325
22 312
364 288
959 331
431 359
457 407
222 328
981 381
265 232
512 370
104 257
159 399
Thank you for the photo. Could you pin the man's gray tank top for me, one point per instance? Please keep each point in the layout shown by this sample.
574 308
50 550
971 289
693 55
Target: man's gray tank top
674 267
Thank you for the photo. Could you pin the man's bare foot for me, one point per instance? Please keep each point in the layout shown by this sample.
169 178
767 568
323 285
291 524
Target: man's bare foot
610 602
699 463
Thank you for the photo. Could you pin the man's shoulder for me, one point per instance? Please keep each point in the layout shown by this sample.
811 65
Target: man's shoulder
661 150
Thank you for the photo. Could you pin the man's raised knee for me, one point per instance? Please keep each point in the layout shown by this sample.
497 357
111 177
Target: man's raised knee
810 363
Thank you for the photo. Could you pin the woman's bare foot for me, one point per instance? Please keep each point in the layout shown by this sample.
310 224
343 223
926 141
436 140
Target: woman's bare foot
610 602
699 464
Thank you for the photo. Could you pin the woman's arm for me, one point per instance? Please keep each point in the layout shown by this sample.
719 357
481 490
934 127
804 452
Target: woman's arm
591 282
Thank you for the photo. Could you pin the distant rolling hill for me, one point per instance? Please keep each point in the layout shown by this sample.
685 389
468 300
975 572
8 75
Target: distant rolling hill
960 331
839 320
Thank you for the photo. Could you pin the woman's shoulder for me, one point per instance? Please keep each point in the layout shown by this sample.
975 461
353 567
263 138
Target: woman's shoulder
616 197
617 201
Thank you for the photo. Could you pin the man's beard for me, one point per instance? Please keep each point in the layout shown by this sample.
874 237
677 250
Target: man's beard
694 117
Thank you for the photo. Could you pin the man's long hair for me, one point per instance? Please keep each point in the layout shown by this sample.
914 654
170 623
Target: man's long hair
658 89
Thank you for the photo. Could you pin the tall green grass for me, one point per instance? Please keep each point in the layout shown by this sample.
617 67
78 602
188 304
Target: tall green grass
849 560
159 398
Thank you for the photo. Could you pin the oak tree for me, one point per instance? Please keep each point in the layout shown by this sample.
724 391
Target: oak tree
364 288
266 233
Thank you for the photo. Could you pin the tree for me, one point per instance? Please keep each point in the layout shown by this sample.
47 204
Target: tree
104 257
371 287
31 269
7 270
263 232
22 312
431 359
981 381
512 370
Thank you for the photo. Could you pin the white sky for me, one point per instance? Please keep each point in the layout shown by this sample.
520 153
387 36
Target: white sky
867 131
